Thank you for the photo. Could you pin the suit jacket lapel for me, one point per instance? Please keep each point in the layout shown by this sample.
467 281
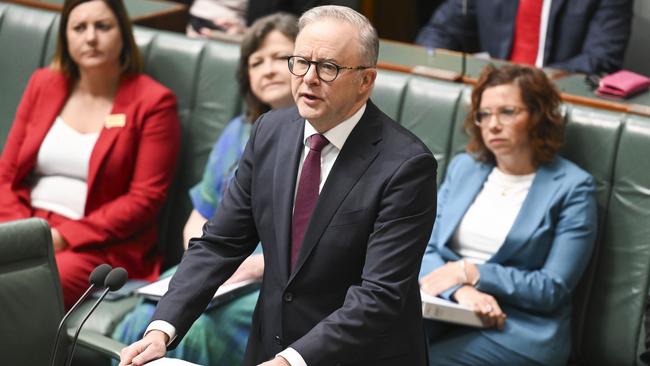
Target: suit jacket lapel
107 136
556 6
290 148
460 197
359 151
533 210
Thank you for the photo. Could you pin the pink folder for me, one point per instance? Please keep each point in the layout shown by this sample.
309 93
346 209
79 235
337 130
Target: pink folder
622 84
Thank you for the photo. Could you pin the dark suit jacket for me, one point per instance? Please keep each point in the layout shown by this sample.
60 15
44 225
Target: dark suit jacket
353 297
129 171
588 36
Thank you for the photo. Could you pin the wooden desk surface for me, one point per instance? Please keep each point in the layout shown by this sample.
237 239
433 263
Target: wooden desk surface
398 56
447 65
150 13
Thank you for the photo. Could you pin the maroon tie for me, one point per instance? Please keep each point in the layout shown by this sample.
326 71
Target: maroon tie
307 194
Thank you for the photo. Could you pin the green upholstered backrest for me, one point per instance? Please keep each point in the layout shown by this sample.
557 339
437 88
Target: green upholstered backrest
618 296
428 110
388 92
459 137
202 75
587 128
23 40
31 303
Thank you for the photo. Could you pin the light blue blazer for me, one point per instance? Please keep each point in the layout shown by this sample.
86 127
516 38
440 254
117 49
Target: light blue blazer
534 273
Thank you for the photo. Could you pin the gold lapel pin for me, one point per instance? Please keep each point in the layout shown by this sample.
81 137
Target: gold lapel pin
115 120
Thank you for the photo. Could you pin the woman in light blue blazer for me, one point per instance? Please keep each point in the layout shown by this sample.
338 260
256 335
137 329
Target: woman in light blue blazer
515 229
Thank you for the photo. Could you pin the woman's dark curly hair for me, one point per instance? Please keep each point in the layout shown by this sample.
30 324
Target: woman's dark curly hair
286 24
542 100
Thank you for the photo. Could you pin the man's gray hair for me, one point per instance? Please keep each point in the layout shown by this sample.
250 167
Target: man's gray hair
368 38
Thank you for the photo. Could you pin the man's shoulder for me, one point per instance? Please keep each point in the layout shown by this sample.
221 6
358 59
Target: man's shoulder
278 119
399 138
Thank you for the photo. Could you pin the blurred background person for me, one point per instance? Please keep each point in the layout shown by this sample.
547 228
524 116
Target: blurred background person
208 17
588 36
219 336
92 148
515 229
260 8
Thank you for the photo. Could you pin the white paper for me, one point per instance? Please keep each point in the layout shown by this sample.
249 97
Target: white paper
436 308
157 289
170 362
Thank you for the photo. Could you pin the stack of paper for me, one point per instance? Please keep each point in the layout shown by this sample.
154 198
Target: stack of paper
436 308
170 362
156 290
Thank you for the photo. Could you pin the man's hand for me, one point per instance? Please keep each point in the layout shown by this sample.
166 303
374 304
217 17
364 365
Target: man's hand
443 278
58 241
484 305
278 361
151 347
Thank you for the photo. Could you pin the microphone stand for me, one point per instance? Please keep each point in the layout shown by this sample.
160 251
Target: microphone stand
76 334
463 65
97 277
115 279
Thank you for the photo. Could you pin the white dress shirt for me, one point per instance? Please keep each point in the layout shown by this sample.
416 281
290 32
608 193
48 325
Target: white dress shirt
337 136
543 29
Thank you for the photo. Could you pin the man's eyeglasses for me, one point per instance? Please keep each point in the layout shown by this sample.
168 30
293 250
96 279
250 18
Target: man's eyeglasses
326 70
505 115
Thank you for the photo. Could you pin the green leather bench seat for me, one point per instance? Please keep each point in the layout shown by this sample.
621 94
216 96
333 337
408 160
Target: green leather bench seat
202 75
30 302
613 147
23 40
618 296
429 110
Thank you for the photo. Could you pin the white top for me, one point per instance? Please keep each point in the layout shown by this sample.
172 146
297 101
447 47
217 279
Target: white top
337 137
211 9
62 170
489 219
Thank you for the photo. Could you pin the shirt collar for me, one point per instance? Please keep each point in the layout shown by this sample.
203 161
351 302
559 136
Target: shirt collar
338 134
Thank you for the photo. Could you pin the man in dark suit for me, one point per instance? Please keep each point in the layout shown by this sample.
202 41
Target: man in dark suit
587 36
340 285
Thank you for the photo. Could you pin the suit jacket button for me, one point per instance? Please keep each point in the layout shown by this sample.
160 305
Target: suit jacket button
288 297
277 340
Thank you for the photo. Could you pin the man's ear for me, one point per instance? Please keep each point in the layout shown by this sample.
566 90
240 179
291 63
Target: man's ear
368 77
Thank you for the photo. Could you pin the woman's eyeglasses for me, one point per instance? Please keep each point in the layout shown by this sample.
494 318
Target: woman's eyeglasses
505 115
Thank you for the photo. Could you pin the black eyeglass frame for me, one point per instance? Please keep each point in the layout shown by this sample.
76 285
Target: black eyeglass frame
290 62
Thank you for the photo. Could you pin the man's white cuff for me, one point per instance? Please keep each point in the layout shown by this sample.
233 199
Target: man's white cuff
164 327
293 357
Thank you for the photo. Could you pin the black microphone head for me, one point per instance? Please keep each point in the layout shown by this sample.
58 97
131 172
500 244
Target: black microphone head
98 275
116 279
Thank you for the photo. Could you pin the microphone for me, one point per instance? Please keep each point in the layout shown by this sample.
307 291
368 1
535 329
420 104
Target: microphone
96 279
115 279
463 69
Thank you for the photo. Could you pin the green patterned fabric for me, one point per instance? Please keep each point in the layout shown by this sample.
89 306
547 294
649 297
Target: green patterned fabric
217 338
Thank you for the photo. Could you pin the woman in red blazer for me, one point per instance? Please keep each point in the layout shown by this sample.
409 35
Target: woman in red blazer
94 86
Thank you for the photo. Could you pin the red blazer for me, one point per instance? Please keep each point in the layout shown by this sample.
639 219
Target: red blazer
130 168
